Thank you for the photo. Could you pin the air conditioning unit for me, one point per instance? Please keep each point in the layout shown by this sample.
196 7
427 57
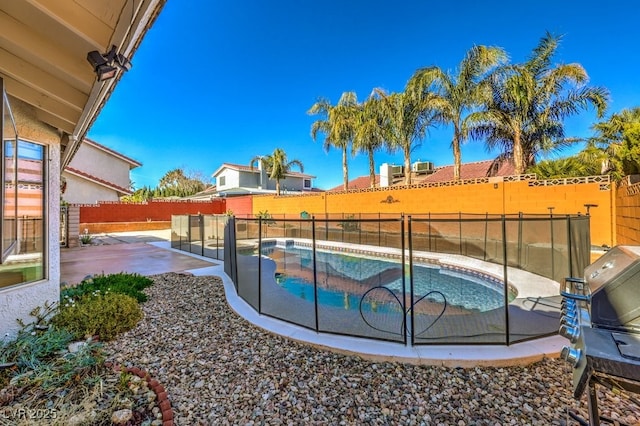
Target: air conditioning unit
397 171
422 167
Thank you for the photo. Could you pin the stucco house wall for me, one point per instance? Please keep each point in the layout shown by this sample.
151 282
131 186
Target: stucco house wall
17 301
82 191
247 180
97 173
231 180
102 164
288 183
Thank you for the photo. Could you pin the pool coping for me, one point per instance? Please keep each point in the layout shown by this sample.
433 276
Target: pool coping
522 353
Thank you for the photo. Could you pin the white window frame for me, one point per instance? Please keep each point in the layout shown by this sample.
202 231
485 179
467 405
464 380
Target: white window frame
7 247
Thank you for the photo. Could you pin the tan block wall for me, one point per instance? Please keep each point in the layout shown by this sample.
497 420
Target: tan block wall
289 205
492 198
107 227
628 214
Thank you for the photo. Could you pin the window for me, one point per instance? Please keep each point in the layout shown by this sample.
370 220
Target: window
307 184
23 218
222 180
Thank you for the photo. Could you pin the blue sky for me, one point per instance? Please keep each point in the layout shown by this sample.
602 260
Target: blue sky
227 80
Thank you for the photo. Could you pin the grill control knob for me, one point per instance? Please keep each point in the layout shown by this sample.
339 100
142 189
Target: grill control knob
571 310
571 355
569 320
569 332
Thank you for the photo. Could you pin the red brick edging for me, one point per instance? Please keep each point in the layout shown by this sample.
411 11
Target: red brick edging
161 394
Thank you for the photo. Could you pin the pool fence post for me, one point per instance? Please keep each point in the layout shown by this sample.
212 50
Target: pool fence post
569 251
553 269
260 265
379 236
505 278
189 231
429 231
201 220
460 231
520 218
315 270
486 230
413 337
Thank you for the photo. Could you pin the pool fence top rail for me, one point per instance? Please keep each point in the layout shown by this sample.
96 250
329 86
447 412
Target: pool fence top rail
392 217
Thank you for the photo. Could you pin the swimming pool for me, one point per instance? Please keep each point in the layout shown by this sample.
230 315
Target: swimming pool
371 284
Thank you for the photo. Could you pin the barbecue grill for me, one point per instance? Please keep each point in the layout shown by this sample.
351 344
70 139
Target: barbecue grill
601 319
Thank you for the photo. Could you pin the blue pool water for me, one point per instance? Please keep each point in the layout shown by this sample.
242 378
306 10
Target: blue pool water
343 279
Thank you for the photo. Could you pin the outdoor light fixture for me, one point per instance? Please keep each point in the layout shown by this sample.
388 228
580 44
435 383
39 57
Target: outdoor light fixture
107 65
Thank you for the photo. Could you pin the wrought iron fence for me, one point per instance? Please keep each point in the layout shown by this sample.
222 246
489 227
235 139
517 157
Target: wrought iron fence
418 279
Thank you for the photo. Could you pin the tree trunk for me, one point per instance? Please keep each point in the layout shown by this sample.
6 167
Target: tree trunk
372 170
518 157
277 186
407 163
457 159
345 170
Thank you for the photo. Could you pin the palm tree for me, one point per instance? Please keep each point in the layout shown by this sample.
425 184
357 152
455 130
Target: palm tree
338 126
460 93
616 145
406 118
529 102
277 165
561 168
369 131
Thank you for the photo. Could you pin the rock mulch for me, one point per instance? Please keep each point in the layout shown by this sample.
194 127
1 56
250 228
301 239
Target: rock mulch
219 369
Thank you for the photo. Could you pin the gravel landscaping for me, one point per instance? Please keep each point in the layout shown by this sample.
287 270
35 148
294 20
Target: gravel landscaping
219 369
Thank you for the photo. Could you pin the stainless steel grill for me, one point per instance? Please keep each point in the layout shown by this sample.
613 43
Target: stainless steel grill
601 319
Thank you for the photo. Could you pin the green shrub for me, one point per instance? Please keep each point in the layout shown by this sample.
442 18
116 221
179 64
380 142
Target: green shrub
123 283
40 358
106 315
32 346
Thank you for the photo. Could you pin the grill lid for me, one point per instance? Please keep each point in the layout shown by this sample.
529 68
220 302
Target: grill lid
614 283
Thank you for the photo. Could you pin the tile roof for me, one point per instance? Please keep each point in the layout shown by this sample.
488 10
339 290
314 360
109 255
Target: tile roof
361 182
97 180
478 169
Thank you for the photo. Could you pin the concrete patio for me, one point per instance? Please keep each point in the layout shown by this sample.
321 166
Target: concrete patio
133 252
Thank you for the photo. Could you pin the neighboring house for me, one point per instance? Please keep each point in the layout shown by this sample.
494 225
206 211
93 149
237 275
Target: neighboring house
391 175
235 179
361 182
55 77
475 170
209 193
97 173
